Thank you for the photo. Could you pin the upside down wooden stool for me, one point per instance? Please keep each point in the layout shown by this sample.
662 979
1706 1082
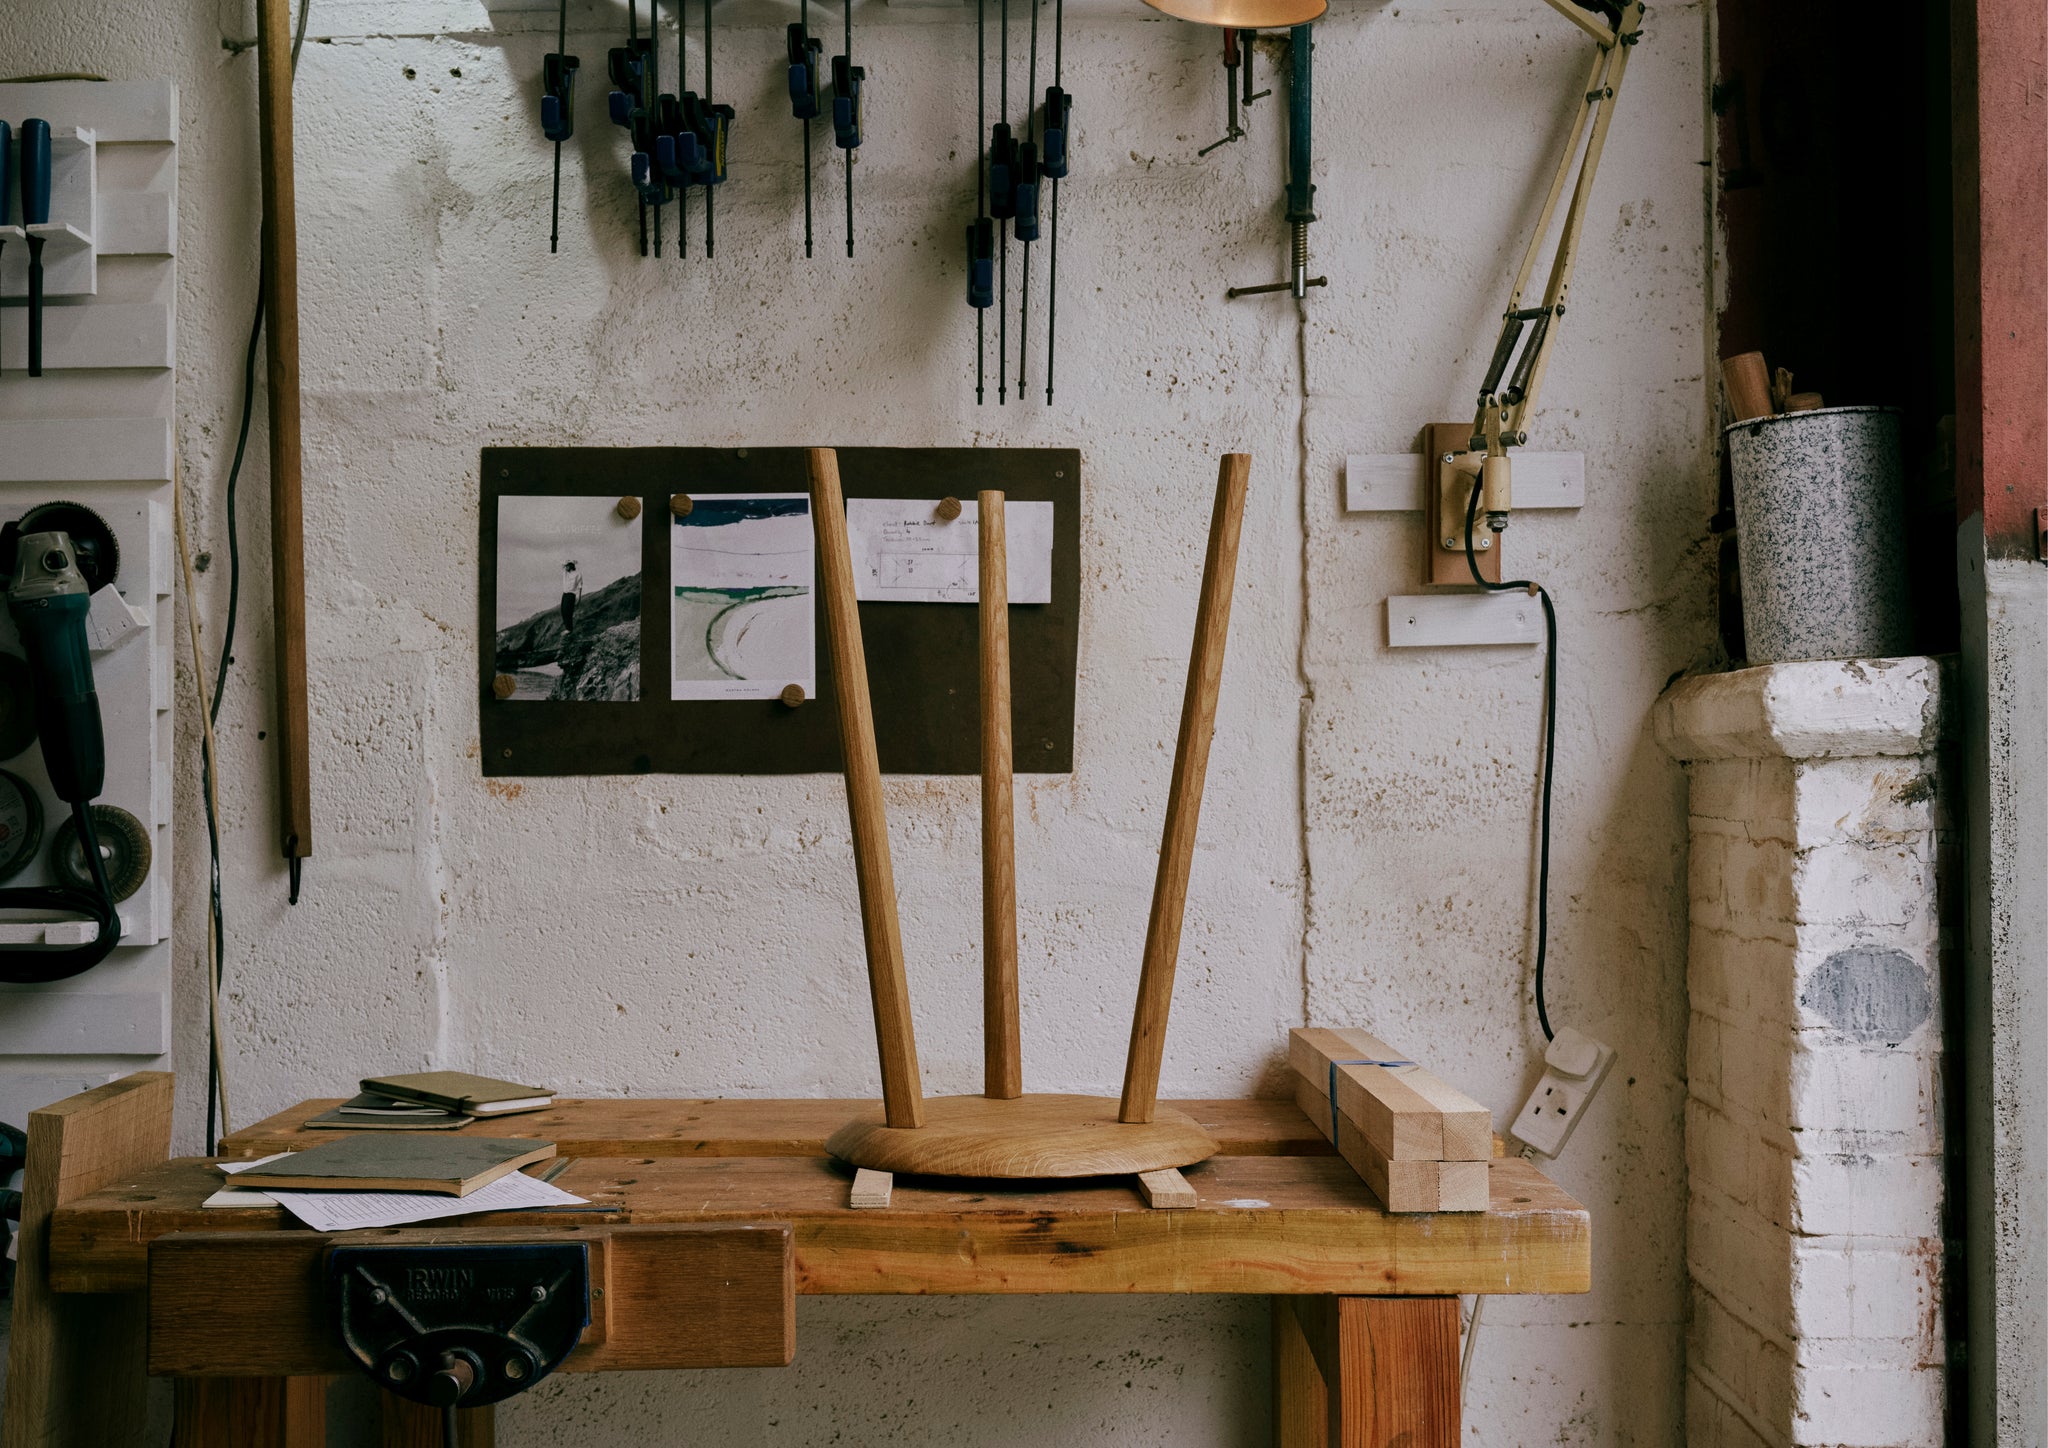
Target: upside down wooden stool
1003 1132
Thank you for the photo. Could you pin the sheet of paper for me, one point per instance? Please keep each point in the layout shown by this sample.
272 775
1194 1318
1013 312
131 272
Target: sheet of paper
902 553
741 569
352 1211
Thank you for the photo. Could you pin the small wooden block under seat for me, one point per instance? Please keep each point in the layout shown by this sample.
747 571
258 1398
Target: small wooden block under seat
1166 1190
871 1188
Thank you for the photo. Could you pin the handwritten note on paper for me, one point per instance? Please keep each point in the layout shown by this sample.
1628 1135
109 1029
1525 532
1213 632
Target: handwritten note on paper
903 553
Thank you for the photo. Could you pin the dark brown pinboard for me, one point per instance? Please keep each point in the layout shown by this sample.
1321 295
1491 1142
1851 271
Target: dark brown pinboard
921 656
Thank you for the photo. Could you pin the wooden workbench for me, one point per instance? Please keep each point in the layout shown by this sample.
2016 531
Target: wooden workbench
1365 1320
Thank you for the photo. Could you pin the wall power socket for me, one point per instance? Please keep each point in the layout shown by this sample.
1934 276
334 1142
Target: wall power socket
1573 1068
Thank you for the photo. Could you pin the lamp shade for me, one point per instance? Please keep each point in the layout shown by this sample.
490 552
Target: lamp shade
1244 14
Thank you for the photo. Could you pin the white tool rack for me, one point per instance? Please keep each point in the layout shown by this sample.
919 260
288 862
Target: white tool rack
96 428
69 259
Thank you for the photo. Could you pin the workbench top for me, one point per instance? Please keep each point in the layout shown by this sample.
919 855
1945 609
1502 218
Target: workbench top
1274 1213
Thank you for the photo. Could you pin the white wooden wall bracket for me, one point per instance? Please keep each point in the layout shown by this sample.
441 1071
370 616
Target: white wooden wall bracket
1394 482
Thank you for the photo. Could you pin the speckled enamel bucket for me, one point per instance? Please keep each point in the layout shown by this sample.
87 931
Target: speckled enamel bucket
1820 518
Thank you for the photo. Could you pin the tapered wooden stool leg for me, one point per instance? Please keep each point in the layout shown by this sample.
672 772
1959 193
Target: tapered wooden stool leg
1002 1051
1184 796
902 1096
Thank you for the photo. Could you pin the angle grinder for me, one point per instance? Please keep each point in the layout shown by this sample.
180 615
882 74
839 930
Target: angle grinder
52 560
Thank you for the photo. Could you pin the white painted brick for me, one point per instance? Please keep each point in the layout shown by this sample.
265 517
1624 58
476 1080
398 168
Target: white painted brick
1861 799
1844 1194
1717 1151
1813 1125
1770 1175
1884 883
1868 1408
1756 1076
1703 1058
1873 1291
1883 1097
1753 797
1711 1422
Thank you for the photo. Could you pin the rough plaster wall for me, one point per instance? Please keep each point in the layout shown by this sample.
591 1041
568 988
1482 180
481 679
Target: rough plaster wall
1366 832
1419 765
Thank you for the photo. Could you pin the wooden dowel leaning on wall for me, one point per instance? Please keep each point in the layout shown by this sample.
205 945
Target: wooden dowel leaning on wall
1002 1050
1184 796
902 1096
287 517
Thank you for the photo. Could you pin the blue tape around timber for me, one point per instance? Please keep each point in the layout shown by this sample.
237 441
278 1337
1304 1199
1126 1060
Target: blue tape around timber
1359 1061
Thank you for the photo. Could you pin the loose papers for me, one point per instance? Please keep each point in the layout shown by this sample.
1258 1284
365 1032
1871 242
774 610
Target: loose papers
903 553
352 1211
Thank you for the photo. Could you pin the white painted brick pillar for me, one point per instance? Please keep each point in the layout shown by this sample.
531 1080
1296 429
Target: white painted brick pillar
1813 1119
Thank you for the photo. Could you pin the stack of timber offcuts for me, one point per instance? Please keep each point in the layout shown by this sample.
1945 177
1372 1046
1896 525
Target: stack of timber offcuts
1421 1145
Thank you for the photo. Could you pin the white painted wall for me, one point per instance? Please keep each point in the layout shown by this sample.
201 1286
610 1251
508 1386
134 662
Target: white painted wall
1367 831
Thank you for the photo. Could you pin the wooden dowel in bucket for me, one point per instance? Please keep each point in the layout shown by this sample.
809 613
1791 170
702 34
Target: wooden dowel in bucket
1748 383
1002 1051
1184 795
902 1096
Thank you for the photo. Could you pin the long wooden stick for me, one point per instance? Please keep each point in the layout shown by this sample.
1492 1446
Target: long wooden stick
1184 798
287 520
1002 1051
902 1096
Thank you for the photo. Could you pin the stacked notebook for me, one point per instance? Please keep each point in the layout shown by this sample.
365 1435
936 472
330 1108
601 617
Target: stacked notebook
1421 1145
431 1101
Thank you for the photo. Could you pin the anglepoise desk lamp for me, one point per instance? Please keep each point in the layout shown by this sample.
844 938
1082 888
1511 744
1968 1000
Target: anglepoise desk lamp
1503 411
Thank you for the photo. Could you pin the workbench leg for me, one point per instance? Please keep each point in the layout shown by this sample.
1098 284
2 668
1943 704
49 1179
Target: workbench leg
414 1425
1301 1415
251 1412
1389 1370
75 1361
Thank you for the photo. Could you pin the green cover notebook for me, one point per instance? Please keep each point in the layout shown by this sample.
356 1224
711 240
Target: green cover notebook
460 1091
451 1165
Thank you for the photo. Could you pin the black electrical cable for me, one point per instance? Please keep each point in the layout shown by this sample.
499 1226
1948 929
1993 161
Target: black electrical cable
1003 232
1052 261
450 1429
1031 131
227 649
1549 744
39 967
980 183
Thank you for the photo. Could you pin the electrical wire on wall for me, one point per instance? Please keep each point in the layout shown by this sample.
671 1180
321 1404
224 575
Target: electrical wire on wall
1549 746
209 785
216 1080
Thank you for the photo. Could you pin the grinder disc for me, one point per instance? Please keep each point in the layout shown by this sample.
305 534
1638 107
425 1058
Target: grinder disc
124 849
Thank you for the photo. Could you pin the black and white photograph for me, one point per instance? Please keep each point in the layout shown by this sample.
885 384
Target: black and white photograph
568 599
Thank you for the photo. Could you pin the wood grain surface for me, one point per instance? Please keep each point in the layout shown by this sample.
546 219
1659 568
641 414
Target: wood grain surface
1028 1136
1260 1224
1002 1049
1184 794
737 1126
895 1040
667 1295
75 1365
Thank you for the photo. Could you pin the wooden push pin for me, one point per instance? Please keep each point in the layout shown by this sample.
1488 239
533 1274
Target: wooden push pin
504 686
681 505
629 508
793 694
948 509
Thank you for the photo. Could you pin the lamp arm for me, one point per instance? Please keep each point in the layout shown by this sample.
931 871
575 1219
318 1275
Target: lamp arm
1601 100
1586 21
1599 91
